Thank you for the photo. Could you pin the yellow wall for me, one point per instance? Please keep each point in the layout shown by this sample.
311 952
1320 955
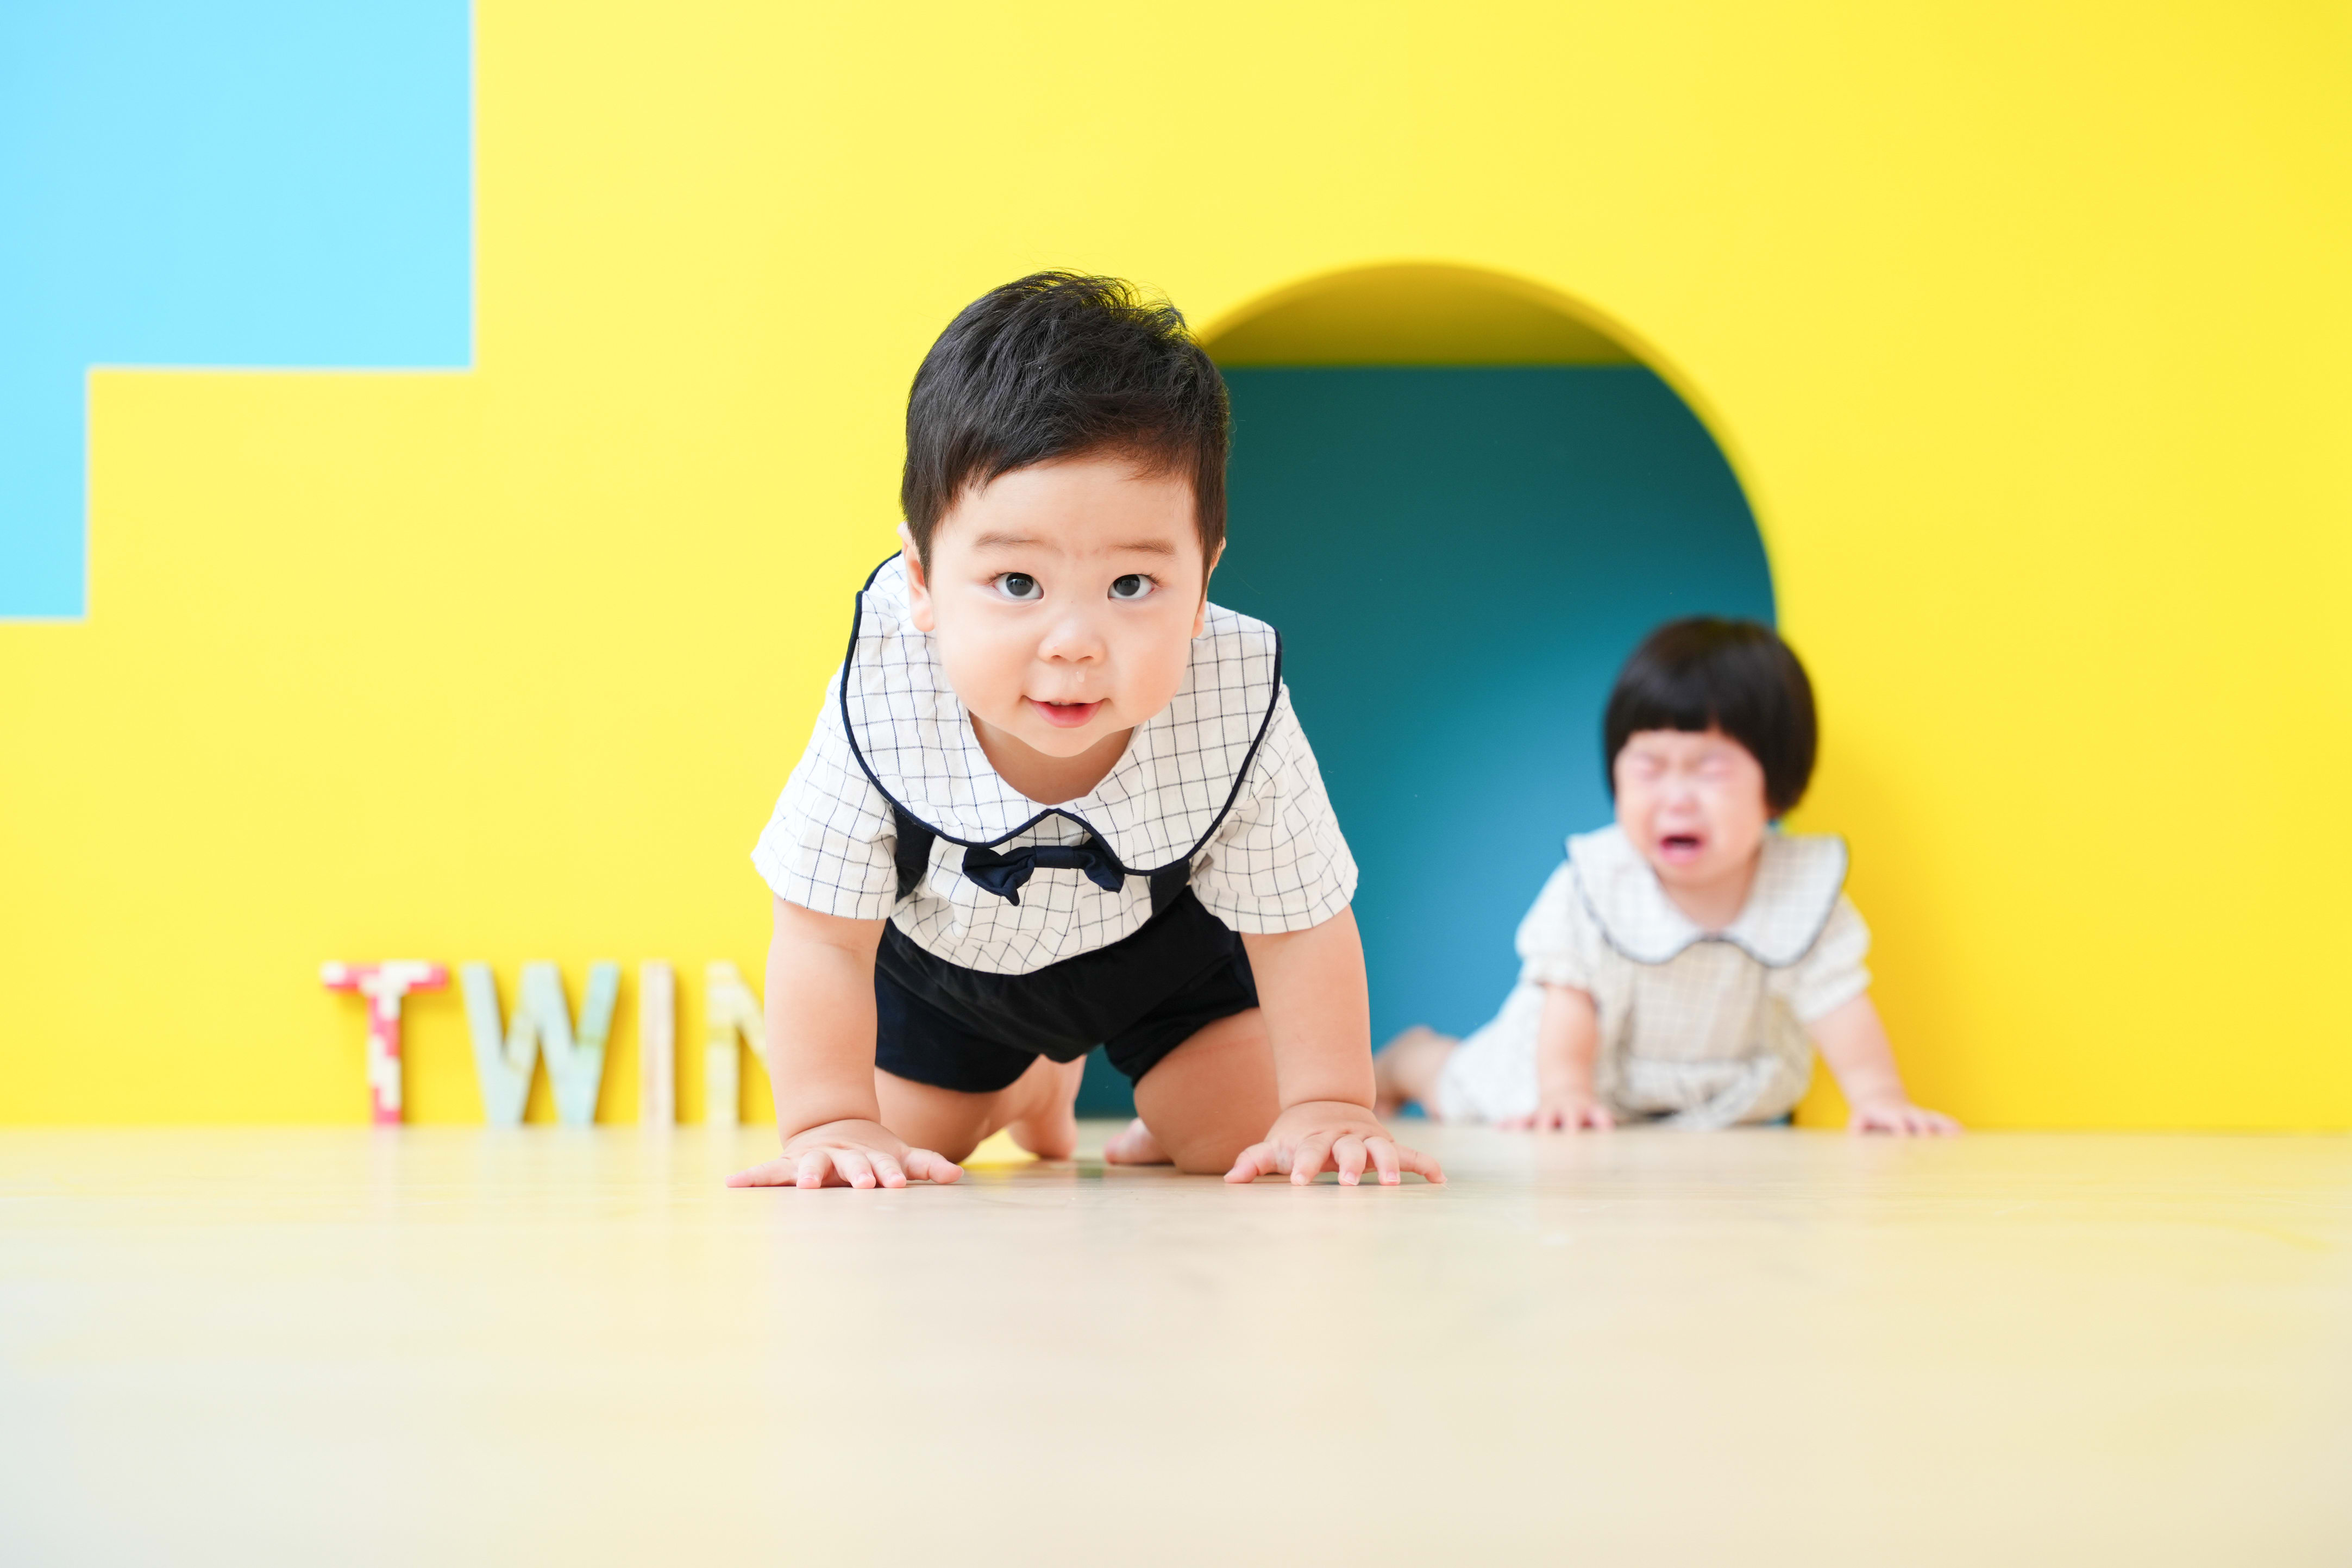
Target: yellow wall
2025 325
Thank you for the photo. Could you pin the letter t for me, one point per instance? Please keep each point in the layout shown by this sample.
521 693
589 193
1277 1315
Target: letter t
384 984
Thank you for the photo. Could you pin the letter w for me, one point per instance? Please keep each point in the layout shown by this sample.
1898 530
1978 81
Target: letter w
503 1054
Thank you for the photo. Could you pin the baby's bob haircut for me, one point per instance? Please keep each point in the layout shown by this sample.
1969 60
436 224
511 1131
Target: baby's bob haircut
1706 673
1060 364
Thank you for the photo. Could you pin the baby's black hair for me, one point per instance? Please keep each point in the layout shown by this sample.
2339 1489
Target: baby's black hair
1059 364
1704 672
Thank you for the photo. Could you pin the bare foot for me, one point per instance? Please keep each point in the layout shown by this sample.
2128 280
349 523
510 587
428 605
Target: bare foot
1406 1069
1136 1146
1050 1128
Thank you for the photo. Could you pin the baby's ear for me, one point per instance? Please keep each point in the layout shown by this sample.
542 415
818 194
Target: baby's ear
918 587
1200 610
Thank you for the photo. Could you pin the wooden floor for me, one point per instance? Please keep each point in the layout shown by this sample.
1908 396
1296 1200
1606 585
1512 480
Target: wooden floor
444 1346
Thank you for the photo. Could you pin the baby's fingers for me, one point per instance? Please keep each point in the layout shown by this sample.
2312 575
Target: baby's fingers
1307 1160
1349 1153
924 1165
776 1173
1419 1163
1257 1159
816 1166
1384 1159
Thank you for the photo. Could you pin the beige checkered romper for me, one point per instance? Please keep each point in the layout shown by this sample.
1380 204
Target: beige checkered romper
1698 1028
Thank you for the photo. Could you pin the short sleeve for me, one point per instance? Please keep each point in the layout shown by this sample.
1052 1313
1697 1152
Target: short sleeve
1830 973
1277 862
1559 941
831 846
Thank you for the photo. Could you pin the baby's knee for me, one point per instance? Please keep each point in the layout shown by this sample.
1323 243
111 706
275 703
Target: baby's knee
1207 1160
1207 1151
1409 1066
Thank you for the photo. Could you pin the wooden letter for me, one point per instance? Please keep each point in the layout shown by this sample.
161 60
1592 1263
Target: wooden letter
575 1063
505 1081
729 1008
542 1022
657 1043
384 984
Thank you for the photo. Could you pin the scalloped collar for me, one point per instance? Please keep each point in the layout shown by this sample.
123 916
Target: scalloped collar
1797 888
1180 772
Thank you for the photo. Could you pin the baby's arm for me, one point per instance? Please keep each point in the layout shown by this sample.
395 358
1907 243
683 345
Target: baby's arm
1567 1042
820 1009
1310 985
1853 1042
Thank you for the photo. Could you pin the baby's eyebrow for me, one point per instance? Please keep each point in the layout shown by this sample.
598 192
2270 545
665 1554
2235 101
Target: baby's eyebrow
1022 540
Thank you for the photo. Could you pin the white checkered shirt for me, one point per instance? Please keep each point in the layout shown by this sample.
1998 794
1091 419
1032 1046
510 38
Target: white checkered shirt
1704 1029
1273 859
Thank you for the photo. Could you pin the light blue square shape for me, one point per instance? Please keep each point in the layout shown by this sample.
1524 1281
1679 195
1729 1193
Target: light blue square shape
215 182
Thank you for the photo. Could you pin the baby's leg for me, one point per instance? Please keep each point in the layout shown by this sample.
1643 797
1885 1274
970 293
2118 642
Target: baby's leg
1407 1067
1049 1127
1206 1100
1036 1108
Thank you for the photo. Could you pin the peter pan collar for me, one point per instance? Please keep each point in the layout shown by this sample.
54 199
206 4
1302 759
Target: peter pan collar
1797 888
1180 772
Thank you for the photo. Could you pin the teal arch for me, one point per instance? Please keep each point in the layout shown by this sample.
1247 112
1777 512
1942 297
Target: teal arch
1459 560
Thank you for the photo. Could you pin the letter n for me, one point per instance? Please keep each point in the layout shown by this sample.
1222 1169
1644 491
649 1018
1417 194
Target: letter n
729 1008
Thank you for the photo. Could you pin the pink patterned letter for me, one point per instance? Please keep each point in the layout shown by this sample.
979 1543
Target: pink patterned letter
384 984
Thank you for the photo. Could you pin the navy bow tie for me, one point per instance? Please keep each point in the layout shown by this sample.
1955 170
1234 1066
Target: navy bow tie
1005 875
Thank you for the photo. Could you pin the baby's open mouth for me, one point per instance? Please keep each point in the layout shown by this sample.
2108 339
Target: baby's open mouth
1681 845
1065 715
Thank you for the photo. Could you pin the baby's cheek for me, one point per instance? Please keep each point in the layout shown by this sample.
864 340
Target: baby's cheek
984 674
1152 670
1735 822
1633 812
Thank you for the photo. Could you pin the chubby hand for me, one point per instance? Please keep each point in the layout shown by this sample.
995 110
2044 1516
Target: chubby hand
1330 1135
1901 1118
1563 1110
849 1154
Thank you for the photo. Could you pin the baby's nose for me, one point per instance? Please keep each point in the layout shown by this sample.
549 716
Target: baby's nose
1072 641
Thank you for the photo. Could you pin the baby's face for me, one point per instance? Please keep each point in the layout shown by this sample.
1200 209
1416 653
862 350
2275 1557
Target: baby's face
1692 802
1064 598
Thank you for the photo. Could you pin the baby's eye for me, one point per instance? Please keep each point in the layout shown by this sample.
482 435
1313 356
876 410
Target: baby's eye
1020 585
1134 586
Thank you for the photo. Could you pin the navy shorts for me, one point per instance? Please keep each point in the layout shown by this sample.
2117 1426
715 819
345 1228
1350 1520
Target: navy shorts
1139 998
